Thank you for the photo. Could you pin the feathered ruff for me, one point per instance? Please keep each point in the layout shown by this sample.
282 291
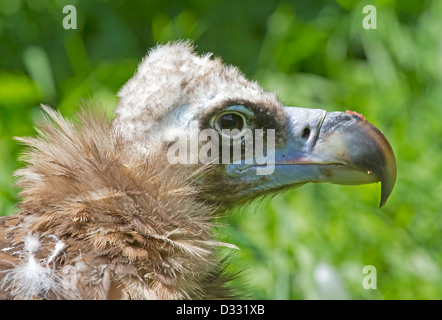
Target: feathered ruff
106 225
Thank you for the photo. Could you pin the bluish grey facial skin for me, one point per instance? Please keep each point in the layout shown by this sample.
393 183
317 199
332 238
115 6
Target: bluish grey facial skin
336 147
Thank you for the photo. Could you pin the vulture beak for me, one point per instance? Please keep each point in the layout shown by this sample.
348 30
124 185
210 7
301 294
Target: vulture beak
336 147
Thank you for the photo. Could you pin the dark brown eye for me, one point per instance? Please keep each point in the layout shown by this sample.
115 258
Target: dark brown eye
230 121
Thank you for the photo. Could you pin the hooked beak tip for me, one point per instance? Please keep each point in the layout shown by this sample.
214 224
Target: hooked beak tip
347 149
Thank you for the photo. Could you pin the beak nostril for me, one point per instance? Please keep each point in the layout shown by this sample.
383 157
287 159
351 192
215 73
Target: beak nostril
305 133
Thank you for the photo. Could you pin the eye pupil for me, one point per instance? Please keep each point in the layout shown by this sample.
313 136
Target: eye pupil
230 121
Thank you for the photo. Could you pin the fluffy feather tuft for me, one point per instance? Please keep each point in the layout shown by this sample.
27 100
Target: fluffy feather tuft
31 243
32 278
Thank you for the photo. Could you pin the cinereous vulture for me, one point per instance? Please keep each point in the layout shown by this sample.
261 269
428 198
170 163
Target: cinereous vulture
124 208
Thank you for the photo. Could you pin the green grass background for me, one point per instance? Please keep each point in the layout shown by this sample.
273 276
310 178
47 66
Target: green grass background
308 243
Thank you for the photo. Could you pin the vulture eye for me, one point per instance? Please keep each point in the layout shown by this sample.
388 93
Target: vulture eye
230 121
227 122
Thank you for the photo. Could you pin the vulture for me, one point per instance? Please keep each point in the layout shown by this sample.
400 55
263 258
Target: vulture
125 208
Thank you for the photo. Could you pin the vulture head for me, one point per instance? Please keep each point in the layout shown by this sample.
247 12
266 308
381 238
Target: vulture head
125 208
199 111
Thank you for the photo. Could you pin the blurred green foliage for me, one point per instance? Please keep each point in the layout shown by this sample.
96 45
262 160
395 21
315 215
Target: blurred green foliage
308 243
